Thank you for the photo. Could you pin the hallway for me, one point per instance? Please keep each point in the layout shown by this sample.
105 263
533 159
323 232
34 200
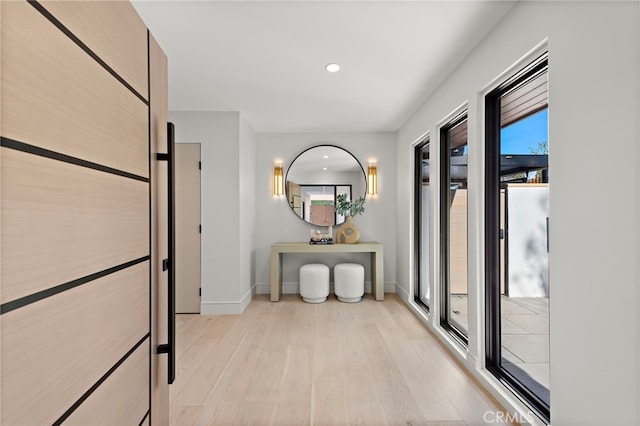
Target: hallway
331 363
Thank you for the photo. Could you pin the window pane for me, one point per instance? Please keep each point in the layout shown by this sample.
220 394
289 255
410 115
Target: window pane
524 215
453 217
458 150
422 291
516 235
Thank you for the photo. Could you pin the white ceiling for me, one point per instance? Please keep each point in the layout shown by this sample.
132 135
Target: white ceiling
266 59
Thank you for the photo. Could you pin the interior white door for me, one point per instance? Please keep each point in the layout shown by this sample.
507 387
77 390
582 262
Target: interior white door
187 161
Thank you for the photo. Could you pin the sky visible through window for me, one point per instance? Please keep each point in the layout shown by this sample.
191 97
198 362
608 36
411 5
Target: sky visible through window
524 135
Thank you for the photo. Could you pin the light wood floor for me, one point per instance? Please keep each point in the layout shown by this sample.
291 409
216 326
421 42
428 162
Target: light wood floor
293 363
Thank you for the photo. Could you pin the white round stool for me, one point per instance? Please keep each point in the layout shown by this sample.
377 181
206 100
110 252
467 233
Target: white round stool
348 282
314 282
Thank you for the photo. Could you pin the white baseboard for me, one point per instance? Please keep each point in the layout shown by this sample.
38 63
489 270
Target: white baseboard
390 287
402 293
247 297
294 288
228 307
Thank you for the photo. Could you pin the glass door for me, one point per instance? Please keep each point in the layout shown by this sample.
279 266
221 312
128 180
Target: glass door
453 227
422 237
517 231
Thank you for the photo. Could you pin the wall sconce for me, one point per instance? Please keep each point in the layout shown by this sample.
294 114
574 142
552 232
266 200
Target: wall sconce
278 179
372 180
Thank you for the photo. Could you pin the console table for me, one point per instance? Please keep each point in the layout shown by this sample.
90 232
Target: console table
377 262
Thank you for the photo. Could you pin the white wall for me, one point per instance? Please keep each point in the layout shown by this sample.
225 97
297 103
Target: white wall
638 215
228 155
241 218
528 209
277 222
594 196
247 210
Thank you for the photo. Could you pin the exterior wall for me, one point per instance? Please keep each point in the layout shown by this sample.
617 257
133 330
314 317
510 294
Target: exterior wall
594 197
75 286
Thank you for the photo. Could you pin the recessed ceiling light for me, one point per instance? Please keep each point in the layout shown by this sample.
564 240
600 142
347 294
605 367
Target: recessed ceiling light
325 156
333 67
324 168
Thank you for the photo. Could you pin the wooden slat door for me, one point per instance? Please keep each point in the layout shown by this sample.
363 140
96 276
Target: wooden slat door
76 285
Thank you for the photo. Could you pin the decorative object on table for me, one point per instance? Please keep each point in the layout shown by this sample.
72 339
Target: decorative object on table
348 232
318 237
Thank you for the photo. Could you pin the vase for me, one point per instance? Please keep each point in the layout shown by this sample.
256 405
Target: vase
348 232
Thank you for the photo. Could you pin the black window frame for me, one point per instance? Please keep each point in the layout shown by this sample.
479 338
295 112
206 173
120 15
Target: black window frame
417 229
493 344
444 212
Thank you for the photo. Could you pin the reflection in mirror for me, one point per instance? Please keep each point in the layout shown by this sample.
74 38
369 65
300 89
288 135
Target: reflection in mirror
316 177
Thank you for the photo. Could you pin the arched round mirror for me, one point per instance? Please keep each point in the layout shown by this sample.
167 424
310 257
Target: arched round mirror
316 177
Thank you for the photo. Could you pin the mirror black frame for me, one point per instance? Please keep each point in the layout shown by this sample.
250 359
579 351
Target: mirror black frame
286 180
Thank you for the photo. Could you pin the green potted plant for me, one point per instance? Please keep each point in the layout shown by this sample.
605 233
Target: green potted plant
345 207
348 232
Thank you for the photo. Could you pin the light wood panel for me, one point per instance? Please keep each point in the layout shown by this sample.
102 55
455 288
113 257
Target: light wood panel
294 363
458 243
61 222
113 30
458 135
187 178
159 234
55 96
530 97
122 399
54 350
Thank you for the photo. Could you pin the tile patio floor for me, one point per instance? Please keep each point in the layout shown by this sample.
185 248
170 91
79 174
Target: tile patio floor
525 338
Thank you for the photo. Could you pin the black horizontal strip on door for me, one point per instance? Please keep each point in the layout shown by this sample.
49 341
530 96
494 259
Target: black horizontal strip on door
100 381
53 155
146 415
35 297
40 8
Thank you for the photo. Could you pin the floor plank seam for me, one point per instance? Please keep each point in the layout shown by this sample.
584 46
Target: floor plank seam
224 370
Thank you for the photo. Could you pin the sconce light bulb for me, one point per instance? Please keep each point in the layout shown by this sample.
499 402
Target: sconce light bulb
278 179
372 180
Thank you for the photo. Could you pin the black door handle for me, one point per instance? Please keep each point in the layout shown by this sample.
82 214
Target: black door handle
169 263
